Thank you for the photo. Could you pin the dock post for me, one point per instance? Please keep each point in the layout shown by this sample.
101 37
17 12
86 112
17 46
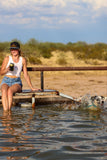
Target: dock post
42 81
33 100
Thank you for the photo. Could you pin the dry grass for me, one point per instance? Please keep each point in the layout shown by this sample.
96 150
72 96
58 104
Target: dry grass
70 60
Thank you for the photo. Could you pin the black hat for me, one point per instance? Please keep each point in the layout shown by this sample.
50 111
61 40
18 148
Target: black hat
14 45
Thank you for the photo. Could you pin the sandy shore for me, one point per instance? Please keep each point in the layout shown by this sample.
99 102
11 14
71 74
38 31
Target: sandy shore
70 83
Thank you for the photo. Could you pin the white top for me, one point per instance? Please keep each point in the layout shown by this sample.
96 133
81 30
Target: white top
17 67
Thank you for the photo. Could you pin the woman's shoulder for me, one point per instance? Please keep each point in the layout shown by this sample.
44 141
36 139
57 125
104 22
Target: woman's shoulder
23 60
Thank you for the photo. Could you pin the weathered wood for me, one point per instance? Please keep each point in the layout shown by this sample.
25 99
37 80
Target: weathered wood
41 98
66 68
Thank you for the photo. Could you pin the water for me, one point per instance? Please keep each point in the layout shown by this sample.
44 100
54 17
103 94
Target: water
48 133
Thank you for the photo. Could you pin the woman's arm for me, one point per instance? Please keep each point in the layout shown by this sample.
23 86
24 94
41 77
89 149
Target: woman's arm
26 75
4 70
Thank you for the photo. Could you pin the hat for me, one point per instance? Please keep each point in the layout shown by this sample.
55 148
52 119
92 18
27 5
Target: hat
14 45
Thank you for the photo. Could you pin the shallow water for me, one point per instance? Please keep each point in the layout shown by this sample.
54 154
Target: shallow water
47 133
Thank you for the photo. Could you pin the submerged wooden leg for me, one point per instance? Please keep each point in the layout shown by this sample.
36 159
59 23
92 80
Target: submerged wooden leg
33 100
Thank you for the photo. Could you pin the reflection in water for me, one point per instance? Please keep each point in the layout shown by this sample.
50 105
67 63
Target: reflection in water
13 133
49 133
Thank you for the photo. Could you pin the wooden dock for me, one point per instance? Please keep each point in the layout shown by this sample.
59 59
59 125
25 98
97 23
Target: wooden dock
41 98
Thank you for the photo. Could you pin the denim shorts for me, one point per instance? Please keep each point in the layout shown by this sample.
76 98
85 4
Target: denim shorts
11 81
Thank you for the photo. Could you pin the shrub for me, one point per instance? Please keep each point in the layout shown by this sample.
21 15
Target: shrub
45 51
1 58
4 46
81 50
34 60
93 62
32 42
104 55
79 55
61 59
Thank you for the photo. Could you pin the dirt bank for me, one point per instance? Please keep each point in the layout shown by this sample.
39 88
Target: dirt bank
73 84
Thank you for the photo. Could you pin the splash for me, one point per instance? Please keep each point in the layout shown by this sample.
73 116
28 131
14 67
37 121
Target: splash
88 102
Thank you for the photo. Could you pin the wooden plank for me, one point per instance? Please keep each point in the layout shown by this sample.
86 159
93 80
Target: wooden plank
40 98
66 68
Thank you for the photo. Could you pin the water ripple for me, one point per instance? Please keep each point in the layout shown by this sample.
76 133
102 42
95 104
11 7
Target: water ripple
49 134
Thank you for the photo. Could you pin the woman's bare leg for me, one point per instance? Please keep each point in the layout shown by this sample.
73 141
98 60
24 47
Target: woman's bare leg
11 90
4 90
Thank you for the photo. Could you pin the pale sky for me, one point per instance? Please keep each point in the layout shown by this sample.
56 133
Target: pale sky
54 20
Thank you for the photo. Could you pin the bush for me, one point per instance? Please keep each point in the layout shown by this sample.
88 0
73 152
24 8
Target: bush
4 46
93 62
61 59
34 60
104 55
32 42
1 58
81 50
1 61
79 55
45 51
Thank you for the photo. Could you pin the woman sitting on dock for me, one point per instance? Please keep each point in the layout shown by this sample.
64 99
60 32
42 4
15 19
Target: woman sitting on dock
11 68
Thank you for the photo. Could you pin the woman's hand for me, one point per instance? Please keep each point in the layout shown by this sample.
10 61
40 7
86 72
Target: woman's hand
7 69
35 89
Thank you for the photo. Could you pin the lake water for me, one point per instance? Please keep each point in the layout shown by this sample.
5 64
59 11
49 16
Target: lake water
48 133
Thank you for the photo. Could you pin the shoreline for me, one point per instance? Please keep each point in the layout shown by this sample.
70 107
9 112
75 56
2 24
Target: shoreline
72 84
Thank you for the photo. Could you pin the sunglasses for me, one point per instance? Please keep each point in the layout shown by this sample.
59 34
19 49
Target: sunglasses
11 49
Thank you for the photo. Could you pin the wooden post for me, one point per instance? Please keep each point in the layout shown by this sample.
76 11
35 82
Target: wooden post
42 81
33 100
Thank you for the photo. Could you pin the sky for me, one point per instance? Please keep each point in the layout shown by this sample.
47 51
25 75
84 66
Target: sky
54 20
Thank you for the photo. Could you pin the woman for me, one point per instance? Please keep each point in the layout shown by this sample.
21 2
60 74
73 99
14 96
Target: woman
11 82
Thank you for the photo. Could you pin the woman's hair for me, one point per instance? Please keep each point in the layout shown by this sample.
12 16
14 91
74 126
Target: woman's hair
19 52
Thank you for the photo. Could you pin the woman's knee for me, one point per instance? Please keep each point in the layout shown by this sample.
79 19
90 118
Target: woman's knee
10 92
13 89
